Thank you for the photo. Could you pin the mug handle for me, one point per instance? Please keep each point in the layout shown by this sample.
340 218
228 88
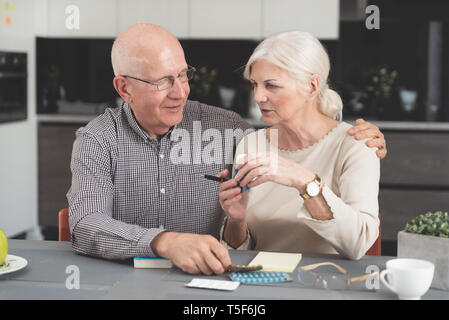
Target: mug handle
383 273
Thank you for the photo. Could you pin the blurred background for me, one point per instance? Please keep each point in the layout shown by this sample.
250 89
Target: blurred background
390 64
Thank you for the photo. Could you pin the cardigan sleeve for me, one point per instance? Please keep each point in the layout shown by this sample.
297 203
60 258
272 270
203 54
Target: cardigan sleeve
246 245
353 200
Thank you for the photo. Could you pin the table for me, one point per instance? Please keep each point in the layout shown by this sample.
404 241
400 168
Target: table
49 275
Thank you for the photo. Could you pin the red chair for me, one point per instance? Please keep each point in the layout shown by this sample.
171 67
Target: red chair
63 225
375 249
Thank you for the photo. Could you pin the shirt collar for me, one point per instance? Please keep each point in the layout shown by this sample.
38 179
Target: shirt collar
138 129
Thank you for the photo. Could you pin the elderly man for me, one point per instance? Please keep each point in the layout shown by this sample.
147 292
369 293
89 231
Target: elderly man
131 195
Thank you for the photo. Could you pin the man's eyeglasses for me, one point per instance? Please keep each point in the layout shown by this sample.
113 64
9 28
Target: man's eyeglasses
332 282
167 82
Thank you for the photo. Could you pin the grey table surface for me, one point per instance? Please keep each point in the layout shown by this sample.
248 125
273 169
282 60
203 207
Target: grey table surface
47 271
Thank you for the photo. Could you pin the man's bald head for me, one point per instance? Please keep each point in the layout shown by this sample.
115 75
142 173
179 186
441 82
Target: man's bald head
135 48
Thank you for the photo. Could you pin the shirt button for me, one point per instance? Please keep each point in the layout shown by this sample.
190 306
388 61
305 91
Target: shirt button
162 190
161 156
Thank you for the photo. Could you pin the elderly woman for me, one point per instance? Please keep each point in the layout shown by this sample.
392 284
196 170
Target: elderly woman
312 187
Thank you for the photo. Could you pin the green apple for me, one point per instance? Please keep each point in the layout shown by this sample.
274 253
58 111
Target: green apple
3 247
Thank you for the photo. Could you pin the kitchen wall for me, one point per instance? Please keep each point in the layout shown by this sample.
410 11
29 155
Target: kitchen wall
18 140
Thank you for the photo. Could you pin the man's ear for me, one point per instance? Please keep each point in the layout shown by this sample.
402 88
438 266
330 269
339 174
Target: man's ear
120 85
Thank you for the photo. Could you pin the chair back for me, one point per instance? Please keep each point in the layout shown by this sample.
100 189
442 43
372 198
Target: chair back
375 249
63 225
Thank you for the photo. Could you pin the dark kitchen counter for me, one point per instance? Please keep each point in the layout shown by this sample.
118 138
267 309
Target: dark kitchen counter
383 125
414 174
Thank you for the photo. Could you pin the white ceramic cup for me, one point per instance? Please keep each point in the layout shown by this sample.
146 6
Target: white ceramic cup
408 278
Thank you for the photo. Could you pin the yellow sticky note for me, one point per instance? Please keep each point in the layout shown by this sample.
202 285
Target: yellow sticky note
277 261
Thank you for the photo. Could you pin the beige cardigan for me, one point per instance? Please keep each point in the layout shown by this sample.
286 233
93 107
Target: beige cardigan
277 218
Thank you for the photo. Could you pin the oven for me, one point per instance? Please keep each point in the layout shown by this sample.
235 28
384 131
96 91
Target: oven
13 86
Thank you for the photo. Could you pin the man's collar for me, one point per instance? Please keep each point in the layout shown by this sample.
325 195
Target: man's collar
138 129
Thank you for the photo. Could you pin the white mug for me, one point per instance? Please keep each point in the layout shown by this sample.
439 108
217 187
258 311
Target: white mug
408 278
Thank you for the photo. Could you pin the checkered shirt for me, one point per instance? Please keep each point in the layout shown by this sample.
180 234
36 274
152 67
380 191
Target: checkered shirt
126 187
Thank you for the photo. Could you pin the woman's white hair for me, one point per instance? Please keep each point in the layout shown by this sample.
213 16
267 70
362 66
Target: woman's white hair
303 56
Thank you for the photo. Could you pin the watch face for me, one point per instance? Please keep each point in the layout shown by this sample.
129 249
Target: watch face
313 189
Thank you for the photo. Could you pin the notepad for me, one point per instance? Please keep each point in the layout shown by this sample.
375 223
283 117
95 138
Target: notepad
152 263
277 261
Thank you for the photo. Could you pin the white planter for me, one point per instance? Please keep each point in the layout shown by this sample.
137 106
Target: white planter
430 248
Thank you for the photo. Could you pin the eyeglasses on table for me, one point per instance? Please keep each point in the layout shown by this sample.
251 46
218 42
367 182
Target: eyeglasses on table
308 278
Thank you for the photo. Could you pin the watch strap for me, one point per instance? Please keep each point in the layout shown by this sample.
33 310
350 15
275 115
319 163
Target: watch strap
306 195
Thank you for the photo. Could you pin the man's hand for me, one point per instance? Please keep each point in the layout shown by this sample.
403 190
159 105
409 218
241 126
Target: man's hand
193 253
363 130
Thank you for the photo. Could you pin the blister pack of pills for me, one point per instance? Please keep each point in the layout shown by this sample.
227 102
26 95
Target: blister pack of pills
213 284
260 277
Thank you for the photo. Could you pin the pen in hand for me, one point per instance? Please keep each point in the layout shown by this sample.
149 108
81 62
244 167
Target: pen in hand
214 178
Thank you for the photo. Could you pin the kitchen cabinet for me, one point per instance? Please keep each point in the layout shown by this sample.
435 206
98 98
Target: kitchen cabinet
188 19
232 19
416 159
257 19
170 14
16 20
54 152
97 19
320 18
414 178
399 205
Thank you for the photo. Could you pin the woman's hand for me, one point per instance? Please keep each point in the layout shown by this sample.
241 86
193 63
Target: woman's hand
258 168
232 201
363 130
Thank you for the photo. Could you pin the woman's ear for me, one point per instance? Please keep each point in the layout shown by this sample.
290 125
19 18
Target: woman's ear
314 85
120 85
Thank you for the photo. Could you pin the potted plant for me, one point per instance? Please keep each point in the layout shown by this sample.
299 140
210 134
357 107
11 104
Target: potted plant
203 86
381 92
427 237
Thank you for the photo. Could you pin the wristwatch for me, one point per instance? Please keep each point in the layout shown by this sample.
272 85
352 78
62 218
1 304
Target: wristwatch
313 188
